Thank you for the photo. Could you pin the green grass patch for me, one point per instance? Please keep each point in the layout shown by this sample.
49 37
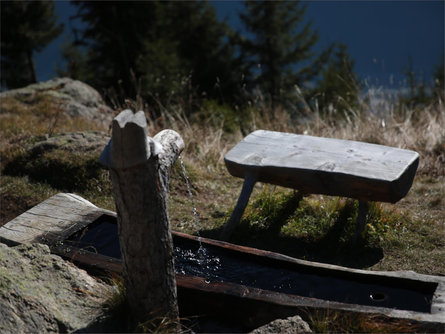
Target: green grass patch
322 228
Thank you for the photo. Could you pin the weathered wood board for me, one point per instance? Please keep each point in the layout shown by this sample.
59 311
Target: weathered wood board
51 221
316 165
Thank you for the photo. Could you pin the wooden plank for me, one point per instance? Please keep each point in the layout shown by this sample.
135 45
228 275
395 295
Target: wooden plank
51 221
368 172
90 260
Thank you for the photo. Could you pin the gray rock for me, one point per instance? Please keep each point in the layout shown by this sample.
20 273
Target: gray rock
42 293
75 97
84 141
292 325
68 161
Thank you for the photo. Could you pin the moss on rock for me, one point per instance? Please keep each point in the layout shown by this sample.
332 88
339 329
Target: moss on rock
69 161
40 292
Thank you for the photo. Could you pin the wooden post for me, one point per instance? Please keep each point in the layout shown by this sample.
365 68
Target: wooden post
139 168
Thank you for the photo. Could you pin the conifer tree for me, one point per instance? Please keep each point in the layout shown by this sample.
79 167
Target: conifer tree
338 88
154 47
280 49
75 65
417 94
111 41
187 52
26 27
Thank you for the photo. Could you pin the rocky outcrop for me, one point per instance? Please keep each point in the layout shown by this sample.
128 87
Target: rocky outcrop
291 325
42 293
76 98
82 142
67 161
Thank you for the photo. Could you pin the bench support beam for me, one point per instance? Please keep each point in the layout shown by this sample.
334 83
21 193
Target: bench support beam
249 182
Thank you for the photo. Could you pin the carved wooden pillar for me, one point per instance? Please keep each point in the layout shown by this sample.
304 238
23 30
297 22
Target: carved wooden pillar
139 168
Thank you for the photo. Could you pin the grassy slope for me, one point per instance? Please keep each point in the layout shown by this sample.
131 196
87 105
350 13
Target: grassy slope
406 236
409 235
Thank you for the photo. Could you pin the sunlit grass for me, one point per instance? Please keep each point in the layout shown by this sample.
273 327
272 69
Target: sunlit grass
273 212
408 235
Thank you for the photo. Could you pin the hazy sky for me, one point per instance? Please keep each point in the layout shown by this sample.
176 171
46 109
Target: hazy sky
380 35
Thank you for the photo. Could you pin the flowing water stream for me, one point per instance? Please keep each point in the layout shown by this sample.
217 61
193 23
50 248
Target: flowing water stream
192 199
201 257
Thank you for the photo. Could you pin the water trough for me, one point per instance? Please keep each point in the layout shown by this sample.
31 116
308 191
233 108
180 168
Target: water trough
239 285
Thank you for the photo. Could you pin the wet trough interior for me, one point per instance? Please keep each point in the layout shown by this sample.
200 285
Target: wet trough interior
216 264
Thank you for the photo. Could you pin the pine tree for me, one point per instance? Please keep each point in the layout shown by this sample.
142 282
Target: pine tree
204 46
75 66
26 27
155 47
280 49
112 41
338 88
417 94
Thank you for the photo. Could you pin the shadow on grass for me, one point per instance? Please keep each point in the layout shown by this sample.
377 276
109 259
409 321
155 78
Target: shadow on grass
333 245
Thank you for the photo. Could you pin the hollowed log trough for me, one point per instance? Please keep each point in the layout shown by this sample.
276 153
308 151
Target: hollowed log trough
258 286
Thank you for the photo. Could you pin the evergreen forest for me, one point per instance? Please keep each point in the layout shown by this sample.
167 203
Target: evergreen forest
170 53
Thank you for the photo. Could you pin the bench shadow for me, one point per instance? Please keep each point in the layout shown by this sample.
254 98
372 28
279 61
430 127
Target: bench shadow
335 246
358 255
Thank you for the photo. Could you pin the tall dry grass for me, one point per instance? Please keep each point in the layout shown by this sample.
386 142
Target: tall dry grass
385 123
425 135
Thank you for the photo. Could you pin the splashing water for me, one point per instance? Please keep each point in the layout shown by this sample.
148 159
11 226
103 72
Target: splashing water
192 199
201 257
197 263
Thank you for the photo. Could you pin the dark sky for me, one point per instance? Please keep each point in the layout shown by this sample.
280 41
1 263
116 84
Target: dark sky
380 35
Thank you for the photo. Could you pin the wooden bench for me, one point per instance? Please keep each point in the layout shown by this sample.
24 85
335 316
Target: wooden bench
315 165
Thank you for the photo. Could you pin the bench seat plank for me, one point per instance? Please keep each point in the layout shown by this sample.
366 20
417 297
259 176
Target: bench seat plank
316 165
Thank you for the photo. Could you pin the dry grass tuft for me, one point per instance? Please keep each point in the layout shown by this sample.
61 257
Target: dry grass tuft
420 130
332 321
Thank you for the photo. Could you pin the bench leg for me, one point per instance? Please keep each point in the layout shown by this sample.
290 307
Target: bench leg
361 219
249 183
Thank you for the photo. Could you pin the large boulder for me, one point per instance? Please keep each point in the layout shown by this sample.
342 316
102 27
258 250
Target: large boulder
42 293
41 167
84 142
76 98
67 161
291 325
